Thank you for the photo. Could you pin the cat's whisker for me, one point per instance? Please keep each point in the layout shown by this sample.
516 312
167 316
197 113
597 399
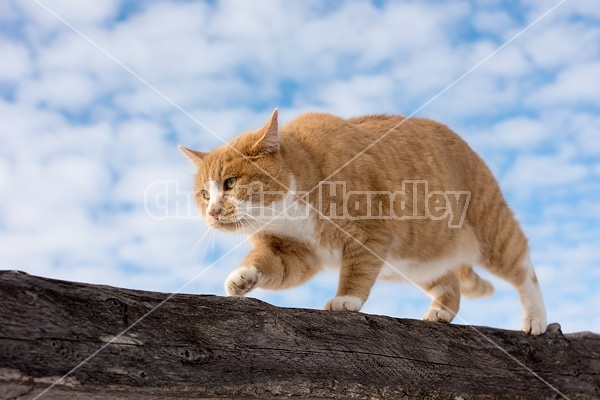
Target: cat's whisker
245 214
207 248
212 242
248 217
262 219
262 207
196 245
201 229
251 220
192 251
267 212
259 207
238 227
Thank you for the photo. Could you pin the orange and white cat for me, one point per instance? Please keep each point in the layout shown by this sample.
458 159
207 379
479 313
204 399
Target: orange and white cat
376 197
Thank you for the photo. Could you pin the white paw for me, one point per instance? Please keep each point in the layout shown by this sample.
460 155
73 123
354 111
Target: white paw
438 316
534 324
242 280
349 303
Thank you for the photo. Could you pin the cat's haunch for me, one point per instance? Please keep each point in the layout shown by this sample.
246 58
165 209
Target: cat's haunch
376 197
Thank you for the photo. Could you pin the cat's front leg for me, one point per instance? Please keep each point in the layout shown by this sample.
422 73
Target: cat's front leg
274 263
359 271
260 266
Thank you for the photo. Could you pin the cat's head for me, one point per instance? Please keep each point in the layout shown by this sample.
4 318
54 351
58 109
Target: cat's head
238 180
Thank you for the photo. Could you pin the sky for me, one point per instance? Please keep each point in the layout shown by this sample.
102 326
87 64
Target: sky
95 96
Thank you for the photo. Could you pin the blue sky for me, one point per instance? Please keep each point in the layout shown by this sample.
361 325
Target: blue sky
90 126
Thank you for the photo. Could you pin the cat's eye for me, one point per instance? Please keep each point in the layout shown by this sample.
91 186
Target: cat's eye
205 195
230 183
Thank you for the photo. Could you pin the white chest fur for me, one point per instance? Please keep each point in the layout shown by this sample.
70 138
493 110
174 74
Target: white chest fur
293 218
288 217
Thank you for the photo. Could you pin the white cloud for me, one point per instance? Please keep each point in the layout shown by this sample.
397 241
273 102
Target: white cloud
79 14
514 133
17 62
529 172
584 128
367 94
63 90
576 85
496 22
561 45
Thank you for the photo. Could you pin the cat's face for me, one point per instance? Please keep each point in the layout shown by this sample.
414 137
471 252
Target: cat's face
237 181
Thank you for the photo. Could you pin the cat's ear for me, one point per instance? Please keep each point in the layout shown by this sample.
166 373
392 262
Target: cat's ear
269 141
195 157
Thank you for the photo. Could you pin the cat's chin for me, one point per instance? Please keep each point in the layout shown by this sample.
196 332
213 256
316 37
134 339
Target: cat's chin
238 225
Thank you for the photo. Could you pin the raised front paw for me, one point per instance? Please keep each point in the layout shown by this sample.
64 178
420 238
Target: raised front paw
349 303
242 280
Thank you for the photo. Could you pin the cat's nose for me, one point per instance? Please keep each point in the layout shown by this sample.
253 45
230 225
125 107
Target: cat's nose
215 213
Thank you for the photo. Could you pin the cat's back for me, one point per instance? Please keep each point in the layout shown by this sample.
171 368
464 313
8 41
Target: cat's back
318 131
326 132
423 135
391 146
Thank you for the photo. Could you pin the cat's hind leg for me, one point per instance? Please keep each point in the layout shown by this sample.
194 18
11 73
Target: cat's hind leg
505 253
445 293
471 284
534 312
521 275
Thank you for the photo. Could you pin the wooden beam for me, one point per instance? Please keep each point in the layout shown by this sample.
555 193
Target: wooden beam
186 346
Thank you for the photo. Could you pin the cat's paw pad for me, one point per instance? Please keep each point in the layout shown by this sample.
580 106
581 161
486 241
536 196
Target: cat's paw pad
534 324
242 280
340 303
438 316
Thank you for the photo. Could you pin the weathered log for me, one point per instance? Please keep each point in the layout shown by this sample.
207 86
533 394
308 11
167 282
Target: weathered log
186 346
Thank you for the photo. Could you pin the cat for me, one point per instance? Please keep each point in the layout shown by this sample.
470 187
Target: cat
377 197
